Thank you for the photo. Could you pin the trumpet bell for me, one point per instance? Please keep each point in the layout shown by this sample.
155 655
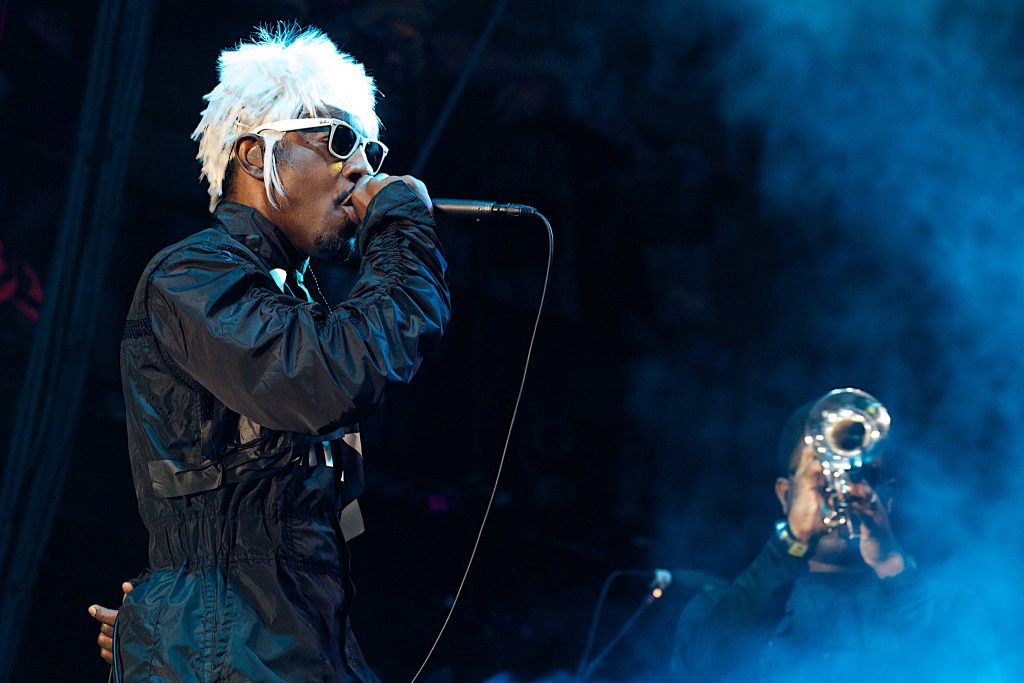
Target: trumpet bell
847 427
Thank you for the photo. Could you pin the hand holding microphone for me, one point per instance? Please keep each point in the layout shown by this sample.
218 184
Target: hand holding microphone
368 186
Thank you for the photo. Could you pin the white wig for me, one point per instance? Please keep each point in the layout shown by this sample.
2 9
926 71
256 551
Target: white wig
284 73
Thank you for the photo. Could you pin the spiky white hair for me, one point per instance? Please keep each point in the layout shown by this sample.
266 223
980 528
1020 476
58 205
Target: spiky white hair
284 72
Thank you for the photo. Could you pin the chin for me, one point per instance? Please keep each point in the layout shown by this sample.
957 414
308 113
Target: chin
837 547
336 248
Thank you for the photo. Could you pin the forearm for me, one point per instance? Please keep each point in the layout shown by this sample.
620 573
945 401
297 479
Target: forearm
716 625
906 600
297 366
400 304
754 593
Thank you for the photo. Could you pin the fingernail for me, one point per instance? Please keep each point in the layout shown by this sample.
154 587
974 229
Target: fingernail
92 610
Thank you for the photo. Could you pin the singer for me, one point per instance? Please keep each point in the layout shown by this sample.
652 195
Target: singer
243 386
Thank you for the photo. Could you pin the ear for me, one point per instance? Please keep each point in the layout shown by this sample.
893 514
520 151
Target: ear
782 493
249 155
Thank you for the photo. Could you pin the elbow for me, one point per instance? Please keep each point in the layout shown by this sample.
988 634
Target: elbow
376 352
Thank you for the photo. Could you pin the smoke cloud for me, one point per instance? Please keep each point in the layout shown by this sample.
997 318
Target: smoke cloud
886 254
870 239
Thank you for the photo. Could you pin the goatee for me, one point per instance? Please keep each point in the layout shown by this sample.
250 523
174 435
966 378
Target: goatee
335 248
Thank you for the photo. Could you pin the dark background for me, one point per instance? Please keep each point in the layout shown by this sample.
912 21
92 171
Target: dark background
754 202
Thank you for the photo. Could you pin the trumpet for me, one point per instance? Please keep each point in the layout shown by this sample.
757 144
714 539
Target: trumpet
846 428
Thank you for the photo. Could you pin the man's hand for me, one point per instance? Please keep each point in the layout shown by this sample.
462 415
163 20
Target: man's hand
106 617
807 502
878 546
367 187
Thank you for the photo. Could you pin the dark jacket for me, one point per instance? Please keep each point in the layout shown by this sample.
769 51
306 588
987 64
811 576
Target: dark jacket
237 394
778 622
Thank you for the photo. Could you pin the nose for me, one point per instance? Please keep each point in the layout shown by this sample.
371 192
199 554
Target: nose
357 165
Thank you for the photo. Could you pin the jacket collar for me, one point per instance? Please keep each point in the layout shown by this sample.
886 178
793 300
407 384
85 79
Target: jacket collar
257 233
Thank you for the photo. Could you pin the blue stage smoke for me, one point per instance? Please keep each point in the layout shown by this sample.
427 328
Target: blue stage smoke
890 191
880 145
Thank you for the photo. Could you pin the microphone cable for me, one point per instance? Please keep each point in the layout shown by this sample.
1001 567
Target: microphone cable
504 450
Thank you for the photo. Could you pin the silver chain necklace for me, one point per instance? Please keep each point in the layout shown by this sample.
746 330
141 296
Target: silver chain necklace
317 284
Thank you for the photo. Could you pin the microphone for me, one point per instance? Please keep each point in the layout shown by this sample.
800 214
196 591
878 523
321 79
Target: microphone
473 208
662 579
690 579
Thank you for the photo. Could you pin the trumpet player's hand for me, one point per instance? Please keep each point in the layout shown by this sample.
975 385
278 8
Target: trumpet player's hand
807 501
878 545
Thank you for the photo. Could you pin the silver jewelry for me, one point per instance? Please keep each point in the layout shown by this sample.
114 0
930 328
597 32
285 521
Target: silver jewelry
320 291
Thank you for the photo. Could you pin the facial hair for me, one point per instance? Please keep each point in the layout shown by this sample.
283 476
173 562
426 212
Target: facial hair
838 548
335 248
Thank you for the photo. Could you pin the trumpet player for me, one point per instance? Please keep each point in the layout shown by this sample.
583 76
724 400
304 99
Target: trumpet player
824 601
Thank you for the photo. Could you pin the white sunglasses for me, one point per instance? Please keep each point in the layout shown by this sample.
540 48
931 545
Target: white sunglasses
343 143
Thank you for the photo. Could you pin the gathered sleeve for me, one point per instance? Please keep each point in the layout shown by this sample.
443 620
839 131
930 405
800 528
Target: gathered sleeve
300 366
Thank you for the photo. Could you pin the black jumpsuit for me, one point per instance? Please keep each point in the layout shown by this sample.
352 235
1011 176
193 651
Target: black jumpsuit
239 395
